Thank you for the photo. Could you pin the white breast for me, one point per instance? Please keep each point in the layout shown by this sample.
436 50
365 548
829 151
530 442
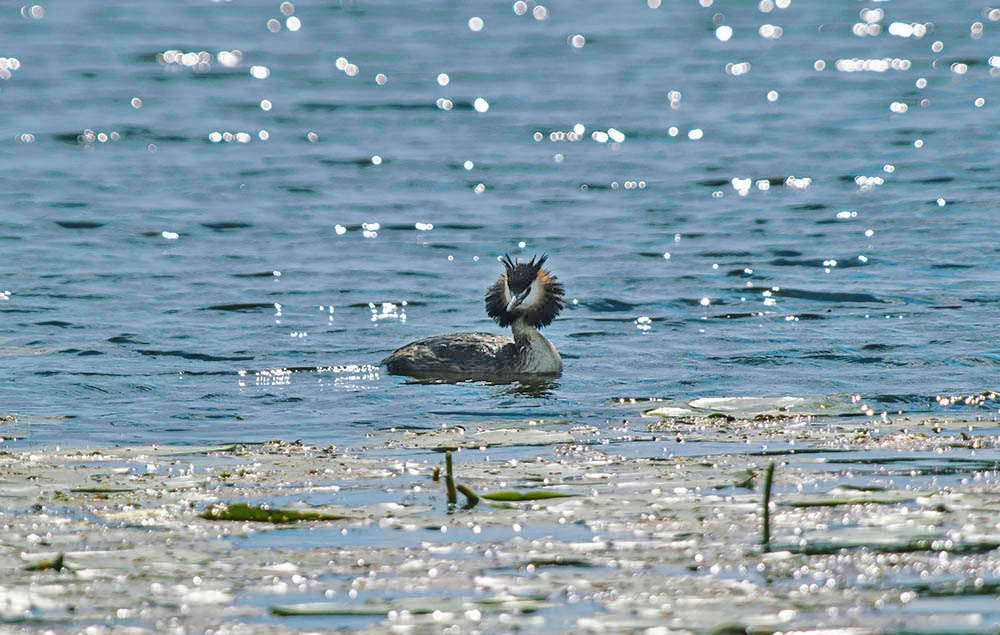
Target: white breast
538 354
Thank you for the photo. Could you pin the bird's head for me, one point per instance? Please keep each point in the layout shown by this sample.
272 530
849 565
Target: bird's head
524 291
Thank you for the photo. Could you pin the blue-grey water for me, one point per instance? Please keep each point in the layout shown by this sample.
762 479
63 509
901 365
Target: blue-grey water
154 280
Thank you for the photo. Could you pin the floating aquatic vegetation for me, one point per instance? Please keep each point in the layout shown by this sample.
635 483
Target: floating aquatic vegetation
262 514
456 437
509 496
416 606
690 517
57 563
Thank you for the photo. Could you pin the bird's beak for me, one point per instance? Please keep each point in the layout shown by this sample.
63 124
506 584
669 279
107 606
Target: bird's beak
517 300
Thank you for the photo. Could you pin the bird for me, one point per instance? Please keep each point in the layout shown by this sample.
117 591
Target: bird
525 297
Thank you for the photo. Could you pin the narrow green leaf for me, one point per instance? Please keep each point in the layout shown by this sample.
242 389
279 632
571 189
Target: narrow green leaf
513 496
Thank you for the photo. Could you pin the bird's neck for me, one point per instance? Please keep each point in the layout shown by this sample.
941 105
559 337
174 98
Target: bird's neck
537 354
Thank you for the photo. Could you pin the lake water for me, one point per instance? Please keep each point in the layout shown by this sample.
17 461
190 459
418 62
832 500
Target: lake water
216 218
141 273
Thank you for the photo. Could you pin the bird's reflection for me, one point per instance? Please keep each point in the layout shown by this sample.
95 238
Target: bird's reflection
536 387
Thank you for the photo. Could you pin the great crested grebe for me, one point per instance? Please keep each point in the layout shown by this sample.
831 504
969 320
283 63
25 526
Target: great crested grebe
526 298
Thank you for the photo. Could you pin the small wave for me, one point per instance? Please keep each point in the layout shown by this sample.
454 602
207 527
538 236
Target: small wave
822 296
59 323
608 305
202 357
841 263
80 353
326 106
248 306
79 224
126 338
226 225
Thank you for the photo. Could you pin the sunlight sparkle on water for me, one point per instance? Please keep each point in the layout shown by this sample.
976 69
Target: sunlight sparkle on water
540 12
872 65
770 31
443 79
737 69
724 33
476 24
520 7
293 23
577 41
481 105
229 59
136 103
742 186
260 72
265 104
696 134
273 25
468 165
904 30
381 79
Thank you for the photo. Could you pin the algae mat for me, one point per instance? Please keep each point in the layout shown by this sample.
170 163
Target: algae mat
876 525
